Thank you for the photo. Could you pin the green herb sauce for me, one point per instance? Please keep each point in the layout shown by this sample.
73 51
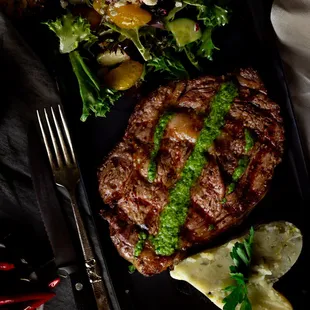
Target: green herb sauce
131 269
211 227
239 171
158 135
224 200
140 244
243 162
231 188
174 214
249 141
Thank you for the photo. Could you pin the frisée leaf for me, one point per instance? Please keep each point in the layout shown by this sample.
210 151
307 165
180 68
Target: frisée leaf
171 66
71 30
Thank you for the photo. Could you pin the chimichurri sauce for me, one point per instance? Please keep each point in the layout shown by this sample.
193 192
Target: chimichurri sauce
158 135
174 214
249 141
242 165
140 244
243 162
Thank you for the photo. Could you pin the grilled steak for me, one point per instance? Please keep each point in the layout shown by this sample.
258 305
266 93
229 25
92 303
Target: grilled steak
237 167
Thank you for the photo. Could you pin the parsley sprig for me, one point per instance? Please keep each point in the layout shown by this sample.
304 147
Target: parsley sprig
241 255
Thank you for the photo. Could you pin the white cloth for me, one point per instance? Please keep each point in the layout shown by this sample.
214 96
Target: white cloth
291 22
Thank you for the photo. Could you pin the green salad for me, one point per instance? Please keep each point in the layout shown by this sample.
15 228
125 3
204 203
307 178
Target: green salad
115 45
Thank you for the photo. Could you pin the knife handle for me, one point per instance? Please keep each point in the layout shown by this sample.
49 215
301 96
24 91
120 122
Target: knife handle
92 268
80 293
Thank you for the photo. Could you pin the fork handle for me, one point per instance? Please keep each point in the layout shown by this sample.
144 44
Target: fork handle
92 268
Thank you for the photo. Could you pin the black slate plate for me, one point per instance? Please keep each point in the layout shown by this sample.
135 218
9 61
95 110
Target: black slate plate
247 41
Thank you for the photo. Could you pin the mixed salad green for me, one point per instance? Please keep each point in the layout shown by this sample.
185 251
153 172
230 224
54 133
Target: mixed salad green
131 40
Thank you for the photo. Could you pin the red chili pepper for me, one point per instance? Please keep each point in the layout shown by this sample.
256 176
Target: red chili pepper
37 297
197 27
36 304
6 266
54 283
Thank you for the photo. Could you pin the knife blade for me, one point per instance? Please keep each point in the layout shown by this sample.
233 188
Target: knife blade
51 213
65 260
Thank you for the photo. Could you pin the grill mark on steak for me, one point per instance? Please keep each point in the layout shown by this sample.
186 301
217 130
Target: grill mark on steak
254 183
263 102
209 190
205 82
196 228
176 146
199 93
249 78
230 145
115 172
136 204
142 200
202 97
206 196
124 233
264 126
171 159
144 119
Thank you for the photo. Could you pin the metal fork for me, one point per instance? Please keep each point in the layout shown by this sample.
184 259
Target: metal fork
66 174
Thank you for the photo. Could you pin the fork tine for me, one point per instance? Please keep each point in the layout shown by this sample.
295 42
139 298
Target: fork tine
67 133
48 150
55 145
61 139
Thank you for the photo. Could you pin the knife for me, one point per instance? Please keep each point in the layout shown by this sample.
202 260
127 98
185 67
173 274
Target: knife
64 263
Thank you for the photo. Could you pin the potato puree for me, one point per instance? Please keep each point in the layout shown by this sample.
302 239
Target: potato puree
276 248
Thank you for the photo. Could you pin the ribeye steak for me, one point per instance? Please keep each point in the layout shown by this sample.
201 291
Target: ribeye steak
221 182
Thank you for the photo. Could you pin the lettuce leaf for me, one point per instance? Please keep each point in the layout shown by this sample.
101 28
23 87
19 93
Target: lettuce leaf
71 30
212 16
95 99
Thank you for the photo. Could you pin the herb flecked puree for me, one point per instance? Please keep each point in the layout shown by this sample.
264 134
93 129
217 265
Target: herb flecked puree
174 214
158 135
